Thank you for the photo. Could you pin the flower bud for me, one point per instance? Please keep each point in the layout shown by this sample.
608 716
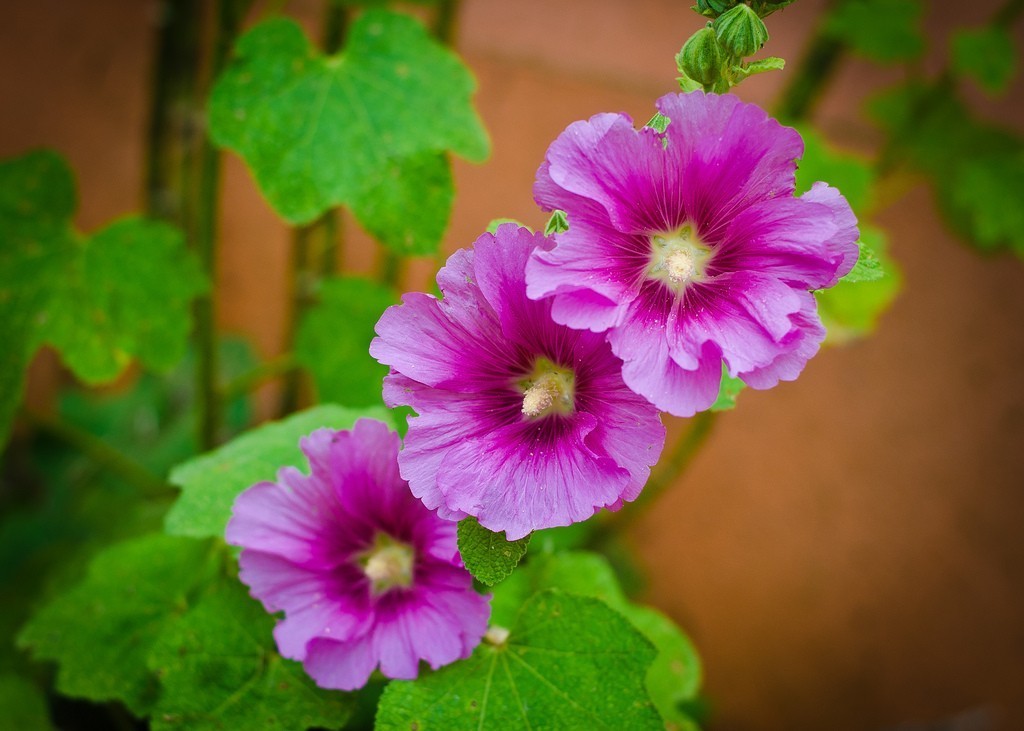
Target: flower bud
740 31
713 8
701 58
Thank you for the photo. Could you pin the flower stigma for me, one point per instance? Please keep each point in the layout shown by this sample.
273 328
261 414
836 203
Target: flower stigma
678 258
549 389
388 563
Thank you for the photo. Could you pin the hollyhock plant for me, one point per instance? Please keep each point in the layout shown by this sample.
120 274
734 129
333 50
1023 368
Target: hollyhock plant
522 422
364 574
689 249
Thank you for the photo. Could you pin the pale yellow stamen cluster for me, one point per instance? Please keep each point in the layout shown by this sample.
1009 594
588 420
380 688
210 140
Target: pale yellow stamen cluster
388 564
678 258
549 389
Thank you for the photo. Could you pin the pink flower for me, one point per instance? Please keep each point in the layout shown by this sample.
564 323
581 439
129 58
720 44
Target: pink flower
689 249
364 574
522 423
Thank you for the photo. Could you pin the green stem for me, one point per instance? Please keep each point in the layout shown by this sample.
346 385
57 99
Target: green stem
1008 13
262 373
303 285
389 268
336 20
228 21
98 451
444 21
819 62
175 68
672 468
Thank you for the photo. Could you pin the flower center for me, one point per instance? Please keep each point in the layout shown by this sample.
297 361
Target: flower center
549 389
678 258
388 563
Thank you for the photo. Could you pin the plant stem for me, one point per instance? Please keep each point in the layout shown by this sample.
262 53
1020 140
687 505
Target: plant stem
335 25
672 468
444 21
816 67
262 373
303 286
100 452
174 73
1010 11
227 22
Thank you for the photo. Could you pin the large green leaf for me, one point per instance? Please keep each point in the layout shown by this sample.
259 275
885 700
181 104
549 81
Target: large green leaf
126 294
218 670
882 30
568 662
849 173
334 339
365 127
976 169
985 54
674 677
489 556
210 483
101 300
37 199
101 631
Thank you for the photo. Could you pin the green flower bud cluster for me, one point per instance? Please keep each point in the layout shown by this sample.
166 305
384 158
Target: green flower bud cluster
763 8
712 58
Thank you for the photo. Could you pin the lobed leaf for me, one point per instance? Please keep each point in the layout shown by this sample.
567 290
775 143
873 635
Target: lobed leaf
488 555
218 669
101 300
882 30
209 483
366 127
101 631
986 55
674 677
567 662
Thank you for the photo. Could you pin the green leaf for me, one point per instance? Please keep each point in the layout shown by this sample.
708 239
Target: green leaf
22 705
882 30
985 54
851 309
728 392
365 127
868 267
125 295
850 174
568 662
406 203
975 168
101 631
488 555
37 199
986 200
210 483
100 300
659 123
559 222
334 338
675 676
771 63
218 670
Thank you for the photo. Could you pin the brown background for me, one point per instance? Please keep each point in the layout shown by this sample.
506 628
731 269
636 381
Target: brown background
847 550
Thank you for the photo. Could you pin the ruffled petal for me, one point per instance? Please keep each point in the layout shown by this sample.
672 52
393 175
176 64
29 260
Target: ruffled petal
340 665
514 484
800 346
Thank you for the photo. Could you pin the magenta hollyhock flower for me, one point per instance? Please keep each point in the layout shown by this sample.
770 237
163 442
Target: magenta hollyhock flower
688 248
364 574
522 423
